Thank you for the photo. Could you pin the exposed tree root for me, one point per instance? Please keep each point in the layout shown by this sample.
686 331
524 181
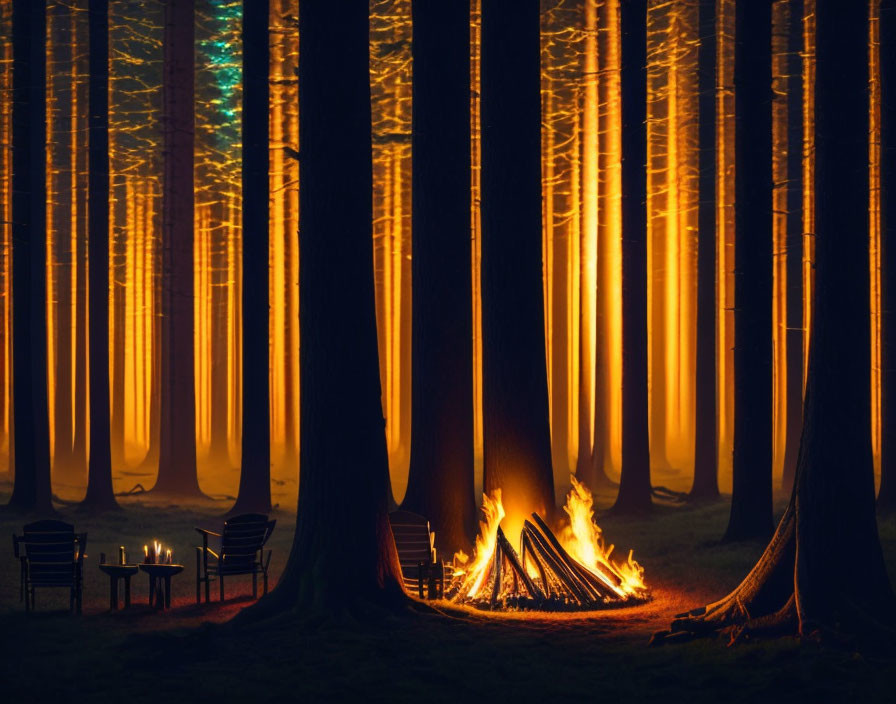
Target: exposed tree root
667 494
767 604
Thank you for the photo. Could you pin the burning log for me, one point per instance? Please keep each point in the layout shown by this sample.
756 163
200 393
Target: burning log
606 580
519 570
567 578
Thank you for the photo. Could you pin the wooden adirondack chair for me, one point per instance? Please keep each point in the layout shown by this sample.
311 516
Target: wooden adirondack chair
242 552
51 555
417 555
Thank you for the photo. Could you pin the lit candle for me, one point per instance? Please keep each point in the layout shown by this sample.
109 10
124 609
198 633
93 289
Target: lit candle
146 553
168 556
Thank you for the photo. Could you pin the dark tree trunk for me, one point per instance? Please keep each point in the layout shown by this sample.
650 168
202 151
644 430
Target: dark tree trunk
440 480
515 420
343 556
63 36
177 456
751 500
794 413
255 475
31 490
706 445
79 442
100 495
634 481
886 499
831 511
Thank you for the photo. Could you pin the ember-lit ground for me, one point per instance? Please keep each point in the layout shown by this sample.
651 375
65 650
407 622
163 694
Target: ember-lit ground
462 655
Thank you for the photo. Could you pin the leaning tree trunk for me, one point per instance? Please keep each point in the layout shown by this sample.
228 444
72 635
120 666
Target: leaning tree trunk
255 473
886 499
31 490
794 403
634 480
751 499
706 442
100 495
343 557
177 452
515 420
440 481
831 512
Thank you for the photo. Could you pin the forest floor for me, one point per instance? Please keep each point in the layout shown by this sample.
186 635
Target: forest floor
458 655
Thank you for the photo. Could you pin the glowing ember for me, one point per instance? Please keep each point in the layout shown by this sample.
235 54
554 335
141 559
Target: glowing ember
573 573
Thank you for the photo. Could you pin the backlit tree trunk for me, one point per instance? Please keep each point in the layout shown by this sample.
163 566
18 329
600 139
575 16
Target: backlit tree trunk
31 490
795 332
751 500
99 472
831 512
634 481
177 457
343 556
516 426
706 445
255 473
63 41
440 481
79 443
886 499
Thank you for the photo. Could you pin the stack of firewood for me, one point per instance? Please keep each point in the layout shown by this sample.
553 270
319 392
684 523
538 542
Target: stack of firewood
561 584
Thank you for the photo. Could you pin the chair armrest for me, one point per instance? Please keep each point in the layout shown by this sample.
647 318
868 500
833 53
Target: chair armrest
269 528
205 533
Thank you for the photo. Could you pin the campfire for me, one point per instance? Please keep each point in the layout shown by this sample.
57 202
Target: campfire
571 572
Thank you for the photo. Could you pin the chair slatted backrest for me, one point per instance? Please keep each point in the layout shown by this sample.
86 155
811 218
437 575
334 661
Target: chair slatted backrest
413 541
242 538
50 549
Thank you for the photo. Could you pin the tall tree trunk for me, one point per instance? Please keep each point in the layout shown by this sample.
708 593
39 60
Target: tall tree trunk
440 479
79 443
119 324
706 443
345 472
219 350
795 332
604 24
634 481
886 499
100 495
751 500
177 456
516 425
831 512
63 37
31 490
255 475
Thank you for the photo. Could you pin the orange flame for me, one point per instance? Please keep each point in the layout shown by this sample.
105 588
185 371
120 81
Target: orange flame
485 543
582 539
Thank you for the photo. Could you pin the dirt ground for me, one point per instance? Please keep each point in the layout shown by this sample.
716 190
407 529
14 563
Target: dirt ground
458 655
